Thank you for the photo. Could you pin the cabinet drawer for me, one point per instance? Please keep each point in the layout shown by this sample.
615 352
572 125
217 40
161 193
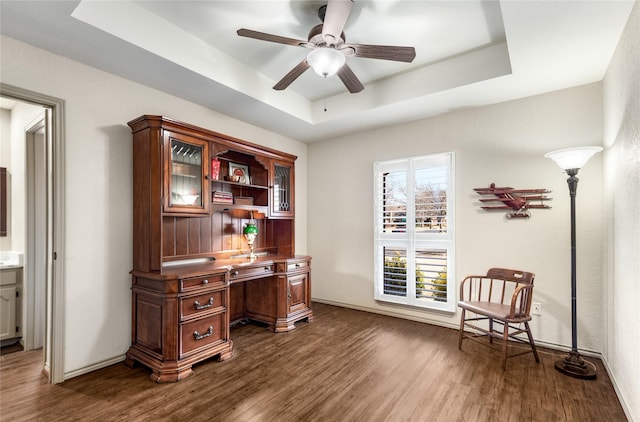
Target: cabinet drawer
257 271
295 266
195 283
207 302
202 333
9 276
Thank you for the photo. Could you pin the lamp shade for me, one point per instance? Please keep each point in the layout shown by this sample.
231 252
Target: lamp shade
572 158
250 229
326 61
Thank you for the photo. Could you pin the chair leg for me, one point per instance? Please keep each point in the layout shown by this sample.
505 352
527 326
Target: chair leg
490 330
461 330
505 339
533 344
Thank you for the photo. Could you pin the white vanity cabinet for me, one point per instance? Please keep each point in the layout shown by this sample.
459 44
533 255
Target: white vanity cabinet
10 303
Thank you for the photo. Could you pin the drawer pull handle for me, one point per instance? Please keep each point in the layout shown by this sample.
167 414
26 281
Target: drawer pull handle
267 268
205 281
199 336
297 265
236 272
198 306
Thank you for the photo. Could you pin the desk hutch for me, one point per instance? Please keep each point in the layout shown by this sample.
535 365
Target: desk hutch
192 273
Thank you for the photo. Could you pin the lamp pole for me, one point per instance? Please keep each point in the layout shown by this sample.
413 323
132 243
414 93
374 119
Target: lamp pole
571 160
573 365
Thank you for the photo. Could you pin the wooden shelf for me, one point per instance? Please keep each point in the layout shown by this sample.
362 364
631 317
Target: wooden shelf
242 185
241 211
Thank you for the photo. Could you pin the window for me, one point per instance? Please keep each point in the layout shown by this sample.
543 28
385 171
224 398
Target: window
413 240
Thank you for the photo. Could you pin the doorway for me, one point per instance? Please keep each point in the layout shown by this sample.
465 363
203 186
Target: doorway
40 176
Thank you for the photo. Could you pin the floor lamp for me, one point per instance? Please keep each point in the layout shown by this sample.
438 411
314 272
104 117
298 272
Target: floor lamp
571 160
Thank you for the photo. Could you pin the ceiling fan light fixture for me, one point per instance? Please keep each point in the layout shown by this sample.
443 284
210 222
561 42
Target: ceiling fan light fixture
326 61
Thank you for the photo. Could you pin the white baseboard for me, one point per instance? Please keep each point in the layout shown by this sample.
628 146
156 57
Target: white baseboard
94 367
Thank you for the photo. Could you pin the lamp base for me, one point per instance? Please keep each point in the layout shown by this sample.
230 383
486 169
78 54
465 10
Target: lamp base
574 366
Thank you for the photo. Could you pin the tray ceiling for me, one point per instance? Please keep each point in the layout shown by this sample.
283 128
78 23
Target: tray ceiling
468 54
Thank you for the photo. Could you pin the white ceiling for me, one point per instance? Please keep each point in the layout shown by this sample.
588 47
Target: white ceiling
468 53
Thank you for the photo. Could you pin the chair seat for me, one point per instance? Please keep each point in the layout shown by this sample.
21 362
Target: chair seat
493 310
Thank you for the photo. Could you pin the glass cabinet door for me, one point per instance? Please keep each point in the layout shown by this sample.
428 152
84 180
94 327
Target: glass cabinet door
282 198
186 179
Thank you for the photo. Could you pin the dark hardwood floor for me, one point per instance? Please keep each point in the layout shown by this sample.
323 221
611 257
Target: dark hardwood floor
346 366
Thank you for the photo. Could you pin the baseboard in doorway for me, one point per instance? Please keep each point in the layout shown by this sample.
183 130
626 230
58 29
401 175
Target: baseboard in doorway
94 367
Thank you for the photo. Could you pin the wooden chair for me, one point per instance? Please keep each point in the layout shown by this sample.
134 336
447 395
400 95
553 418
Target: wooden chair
501 297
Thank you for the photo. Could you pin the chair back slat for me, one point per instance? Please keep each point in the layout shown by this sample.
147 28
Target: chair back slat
511 275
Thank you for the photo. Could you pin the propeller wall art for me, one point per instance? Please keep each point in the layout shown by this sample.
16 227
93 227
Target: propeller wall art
329 49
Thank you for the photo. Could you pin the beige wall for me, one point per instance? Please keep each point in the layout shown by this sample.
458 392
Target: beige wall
505 144
622 206
98 179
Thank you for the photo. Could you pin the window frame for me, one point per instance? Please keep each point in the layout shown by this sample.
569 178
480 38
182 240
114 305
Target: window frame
410 239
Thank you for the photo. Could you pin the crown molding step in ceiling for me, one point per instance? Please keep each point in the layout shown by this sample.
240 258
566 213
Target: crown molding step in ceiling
467 54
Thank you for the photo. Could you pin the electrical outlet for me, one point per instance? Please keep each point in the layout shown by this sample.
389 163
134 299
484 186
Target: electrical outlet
536 308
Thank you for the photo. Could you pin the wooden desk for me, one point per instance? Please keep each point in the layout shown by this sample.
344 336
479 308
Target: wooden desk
181 316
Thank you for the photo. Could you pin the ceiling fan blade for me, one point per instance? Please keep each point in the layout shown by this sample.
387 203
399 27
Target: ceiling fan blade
349 79
384 52
271 38
334 20
292 75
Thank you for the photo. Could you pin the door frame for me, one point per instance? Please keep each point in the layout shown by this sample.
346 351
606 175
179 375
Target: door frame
54 332
38 227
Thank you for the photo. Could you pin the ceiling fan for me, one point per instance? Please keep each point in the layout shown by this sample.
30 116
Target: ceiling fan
329 48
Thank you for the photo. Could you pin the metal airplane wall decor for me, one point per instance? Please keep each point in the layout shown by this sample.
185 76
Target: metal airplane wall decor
516 201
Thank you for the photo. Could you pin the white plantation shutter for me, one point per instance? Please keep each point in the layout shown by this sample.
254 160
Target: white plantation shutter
413 214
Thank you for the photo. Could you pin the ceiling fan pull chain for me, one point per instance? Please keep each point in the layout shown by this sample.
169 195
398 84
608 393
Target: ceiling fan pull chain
324 93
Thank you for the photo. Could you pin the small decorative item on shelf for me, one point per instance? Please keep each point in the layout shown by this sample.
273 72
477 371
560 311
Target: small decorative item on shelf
243 200
251 232
239 170
220 196
215 169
